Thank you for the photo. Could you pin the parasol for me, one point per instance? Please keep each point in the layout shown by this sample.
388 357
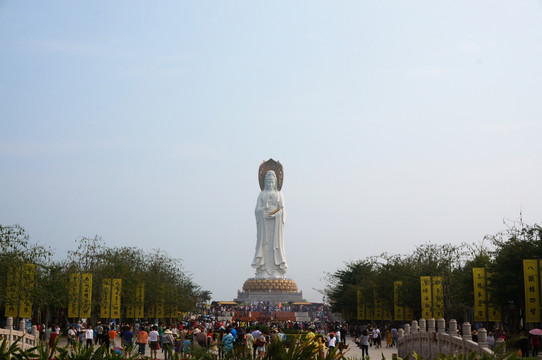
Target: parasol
535 331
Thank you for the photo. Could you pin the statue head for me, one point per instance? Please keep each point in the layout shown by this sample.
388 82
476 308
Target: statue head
270 180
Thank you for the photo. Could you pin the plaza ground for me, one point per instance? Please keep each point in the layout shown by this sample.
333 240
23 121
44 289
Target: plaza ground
353 352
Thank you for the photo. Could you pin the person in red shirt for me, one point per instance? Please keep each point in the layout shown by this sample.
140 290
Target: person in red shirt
112 338
142 338
52 341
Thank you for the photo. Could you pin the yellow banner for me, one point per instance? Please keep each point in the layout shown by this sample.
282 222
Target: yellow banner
480 294
409 314
531 281
136 311
378 310
425 285
151 311
130 312
115 298
20 283
86 295
73 295
362 312
160 310
438 298
387 313
359 306
140 300
370 312
399 310
27 285
105 302
12 290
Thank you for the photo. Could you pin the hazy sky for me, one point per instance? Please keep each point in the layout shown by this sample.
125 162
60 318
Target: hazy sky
144 122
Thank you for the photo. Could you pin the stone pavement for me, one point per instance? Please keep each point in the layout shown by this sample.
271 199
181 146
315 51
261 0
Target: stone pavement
354 352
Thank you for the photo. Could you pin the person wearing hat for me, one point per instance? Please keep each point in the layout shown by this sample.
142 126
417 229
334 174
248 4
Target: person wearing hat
167 343
99 330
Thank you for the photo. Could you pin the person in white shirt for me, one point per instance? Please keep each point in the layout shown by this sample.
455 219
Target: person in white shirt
71 336
376 337
153 339
331 341
89 336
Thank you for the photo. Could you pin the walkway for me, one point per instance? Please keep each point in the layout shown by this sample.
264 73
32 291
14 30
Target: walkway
354 352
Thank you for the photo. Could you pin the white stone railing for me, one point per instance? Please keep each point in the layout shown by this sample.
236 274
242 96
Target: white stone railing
26 341
430 341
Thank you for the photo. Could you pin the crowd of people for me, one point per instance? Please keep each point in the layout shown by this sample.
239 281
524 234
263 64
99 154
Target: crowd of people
203 333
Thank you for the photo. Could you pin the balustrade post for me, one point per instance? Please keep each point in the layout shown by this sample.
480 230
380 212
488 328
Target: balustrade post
466 331
453 327
423 327
441 325
431 334
22 325
431 325
415 327
482 339
407 329
9 326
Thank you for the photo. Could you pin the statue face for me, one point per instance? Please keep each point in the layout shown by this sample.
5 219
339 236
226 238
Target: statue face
270 182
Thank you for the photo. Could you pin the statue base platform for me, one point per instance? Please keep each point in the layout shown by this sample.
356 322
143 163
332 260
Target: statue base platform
272 291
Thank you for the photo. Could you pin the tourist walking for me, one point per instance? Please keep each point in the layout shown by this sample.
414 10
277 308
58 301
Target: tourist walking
89 336
99 330
112 334
72 336
142 338
167 343
376 337
364 344
228 341
153 340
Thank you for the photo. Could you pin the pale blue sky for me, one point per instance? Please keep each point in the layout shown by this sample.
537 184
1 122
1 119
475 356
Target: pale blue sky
397 122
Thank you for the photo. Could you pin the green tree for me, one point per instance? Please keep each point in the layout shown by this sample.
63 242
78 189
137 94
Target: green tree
520 241
16 250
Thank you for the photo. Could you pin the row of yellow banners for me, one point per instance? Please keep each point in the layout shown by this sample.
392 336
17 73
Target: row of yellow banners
110 302
20 283
432 301
79 305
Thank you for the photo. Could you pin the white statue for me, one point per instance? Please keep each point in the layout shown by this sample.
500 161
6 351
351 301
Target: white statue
270 260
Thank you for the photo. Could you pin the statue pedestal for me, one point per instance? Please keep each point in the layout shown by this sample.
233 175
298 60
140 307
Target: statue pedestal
272 291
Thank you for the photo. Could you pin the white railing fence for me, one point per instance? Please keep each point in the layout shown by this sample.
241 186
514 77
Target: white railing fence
429 339
26 340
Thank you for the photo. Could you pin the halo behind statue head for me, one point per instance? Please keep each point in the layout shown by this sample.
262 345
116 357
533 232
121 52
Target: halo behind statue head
275 166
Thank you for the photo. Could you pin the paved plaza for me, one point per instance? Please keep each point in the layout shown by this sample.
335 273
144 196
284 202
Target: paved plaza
353 352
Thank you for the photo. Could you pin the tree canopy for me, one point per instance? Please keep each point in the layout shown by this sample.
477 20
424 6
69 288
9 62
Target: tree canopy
165 281
501 254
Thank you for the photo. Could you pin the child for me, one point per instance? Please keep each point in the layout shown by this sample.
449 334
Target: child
178 344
